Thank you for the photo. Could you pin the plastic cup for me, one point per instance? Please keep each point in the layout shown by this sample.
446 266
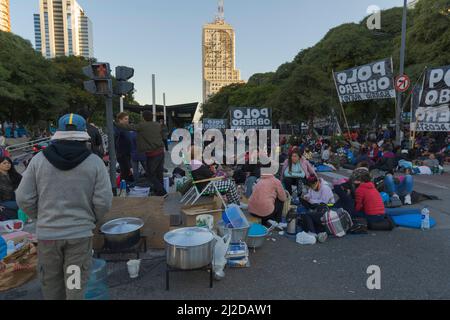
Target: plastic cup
133 268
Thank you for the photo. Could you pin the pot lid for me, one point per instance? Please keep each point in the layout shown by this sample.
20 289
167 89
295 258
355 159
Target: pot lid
188 237
122 226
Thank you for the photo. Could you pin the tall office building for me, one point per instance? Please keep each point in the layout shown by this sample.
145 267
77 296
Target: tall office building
5 19
62 29
219 58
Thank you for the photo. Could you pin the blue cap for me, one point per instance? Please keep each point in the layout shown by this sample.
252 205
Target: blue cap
72 122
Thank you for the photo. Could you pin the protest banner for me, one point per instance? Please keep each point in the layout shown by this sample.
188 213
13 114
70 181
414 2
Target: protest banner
246 118
431 111
368 82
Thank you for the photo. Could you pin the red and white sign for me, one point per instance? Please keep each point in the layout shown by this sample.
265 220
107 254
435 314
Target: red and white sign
402 83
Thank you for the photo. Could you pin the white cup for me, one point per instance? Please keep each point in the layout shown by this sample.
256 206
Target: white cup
133 268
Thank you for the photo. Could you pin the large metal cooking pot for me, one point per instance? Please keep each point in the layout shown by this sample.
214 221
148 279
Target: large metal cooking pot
189 248
123 233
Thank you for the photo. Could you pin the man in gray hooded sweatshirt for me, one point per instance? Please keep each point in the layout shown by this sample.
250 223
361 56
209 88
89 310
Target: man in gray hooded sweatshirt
67 188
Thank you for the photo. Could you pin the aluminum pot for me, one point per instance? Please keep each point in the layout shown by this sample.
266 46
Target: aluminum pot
123 233
189 248
256 242
237 234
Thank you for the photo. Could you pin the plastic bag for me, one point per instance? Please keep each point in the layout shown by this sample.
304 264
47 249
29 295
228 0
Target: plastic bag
220 250
304 238
11 226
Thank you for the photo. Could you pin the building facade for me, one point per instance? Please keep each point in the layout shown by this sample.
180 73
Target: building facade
5 18
62 29
219 58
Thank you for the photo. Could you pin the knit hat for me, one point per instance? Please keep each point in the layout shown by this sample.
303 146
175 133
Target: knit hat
71 127
358 173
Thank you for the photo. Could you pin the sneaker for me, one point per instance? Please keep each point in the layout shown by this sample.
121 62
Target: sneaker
408 200
395 202
322 237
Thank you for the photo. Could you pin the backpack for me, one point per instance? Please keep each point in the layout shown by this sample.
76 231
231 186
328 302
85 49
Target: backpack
337 222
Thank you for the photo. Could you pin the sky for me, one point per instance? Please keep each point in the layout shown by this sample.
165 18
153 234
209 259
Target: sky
163 37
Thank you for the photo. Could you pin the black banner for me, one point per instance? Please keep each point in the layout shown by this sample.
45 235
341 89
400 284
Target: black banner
368 82
246 118
433 109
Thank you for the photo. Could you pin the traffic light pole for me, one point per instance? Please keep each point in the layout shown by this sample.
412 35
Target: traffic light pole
111 143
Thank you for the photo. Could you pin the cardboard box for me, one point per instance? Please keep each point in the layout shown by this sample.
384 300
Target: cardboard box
150 210
189 213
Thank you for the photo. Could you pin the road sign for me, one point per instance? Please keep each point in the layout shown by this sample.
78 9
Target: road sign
402 83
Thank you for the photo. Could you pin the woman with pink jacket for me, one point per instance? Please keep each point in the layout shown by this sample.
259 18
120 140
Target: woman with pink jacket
294 169
267 199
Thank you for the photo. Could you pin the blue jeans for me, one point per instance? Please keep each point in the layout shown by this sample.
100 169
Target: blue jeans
402 189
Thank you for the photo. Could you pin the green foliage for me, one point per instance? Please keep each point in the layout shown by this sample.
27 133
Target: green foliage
36 90
304 88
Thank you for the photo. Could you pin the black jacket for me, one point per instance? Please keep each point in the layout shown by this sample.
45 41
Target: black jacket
96 141
122 140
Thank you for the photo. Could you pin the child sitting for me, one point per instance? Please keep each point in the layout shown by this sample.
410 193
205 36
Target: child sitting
368 201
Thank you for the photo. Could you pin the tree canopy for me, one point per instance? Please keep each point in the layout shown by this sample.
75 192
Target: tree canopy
304 88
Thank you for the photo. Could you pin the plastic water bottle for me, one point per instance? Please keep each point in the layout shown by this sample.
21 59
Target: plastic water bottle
123 189
425 225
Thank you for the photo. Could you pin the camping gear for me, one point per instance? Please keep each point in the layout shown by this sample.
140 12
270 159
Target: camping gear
97 288
305 238
233 215
337 222
133 268
257 236
189 248
123 233
237 234
413 221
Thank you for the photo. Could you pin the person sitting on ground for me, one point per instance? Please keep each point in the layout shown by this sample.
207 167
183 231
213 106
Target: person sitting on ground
9 181
326 154
294 170
319 192
431 162
399 186
267 199
308 155
201 171
368 201
388 161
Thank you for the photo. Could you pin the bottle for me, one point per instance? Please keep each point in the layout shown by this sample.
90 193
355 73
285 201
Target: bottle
123 189
425 225
10 247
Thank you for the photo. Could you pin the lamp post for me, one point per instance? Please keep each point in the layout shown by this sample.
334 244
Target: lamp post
399 110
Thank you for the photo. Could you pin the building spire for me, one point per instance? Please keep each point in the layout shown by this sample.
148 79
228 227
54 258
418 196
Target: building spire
221 14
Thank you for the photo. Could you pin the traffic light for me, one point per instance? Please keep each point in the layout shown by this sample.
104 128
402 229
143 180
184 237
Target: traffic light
123 86
100 75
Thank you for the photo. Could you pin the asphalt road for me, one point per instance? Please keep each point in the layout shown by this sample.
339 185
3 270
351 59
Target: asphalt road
414 265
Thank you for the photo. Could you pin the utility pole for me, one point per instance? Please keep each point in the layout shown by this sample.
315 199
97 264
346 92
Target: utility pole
111 144
399 110
154 97
165 111
121 103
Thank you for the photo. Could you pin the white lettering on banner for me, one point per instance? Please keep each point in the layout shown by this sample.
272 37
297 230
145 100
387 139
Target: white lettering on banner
432 114
437 75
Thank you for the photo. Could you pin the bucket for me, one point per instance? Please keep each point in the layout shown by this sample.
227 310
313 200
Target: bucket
133 268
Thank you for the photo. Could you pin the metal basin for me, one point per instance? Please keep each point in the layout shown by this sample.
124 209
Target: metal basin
189 248
237 234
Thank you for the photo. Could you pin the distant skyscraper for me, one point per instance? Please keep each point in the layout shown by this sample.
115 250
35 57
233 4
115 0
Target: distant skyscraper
219 58
63 29
5 19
